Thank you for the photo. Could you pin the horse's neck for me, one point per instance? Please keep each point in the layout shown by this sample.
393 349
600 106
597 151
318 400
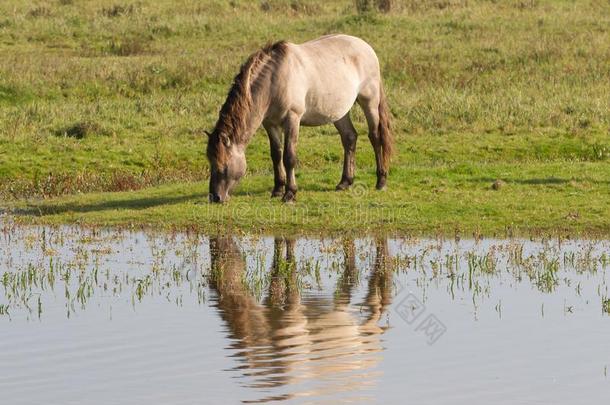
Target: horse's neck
260 104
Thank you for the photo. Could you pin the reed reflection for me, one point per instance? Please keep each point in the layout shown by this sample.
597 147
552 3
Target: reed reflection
296 344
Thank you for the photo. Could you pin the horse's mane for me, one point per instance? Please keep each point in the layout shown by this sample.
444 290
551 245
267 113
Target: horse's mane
234 114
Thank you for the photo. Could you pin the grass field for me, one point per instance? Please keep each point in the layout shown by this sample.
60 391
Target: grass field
103 106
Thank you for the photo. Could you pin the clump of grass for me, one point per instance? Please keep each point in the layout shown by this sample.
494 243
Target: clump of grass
119 10
11 94
424 5
128 46
606 305
163 30
600 152
40 11
483 264
294 7
366 6
81 130
526 4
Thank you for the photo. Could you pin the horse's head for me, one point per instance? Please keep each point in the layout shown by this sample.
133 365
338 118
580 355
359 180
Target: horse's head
227 165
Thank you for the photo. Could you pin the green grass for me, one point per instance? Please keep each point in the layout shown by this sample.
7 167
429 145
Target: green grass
98 98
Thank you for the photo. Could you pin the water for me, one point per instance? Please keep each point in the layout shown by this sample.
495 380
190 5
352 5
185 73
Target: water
126 317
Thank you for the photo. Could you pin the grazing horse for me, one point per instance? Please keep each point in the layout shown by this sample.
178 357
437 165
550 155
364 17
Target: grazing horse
285 85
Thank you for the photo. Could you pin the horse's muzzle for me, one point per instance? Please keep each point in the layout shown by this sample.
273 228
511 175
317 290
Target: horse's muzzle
215 198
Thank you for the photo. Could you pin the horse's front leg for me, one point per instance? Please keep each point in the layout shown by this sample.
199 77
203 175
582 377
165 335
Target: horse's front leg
348 139
275 145
291 135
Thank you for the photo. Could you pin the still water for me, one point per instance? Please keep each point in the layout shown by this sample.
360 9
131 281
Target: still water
130 317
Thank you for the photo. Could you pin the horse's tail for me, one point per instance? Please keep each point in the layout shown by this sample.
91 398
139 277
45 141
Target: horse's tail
385 135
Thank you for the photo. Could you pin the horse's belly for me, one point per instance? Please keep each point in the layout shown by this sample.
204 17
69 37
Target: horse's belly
327 107
314 118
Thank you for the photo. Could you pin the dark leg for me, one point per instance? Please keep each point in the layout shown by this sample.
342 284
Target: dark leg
348 279
291 135
371 111
277 293
275 145
348 139
283 287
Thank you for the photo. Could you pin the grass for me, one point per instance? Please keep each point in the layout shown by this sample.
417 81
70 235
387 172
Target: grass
81 266
606 305
176 269
103 105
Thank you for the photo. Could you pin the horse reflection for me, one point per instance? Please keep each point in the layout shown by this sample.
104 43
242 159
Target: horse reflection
302 345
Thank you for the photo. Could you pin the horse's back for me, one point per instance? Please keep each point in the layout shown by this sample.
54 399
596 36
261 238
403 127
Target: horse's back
324 76
339 45
330 58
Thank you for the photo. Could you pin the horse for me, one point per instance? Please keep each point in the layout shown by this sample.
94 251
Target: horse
285 85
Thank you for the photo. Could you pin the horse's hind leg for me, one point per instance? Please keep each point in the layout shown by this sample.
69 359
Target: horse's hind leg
370 106
348 139
275 145
291 135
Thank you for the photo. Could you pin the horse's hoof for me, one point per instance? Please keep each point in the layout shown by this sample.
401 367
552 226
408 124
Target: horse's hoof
276 193
289 197
342 186
380 184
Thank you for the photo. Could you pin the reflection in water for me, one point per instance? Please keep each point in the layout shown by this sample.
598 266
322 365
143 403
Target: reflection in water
142 317
314 344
